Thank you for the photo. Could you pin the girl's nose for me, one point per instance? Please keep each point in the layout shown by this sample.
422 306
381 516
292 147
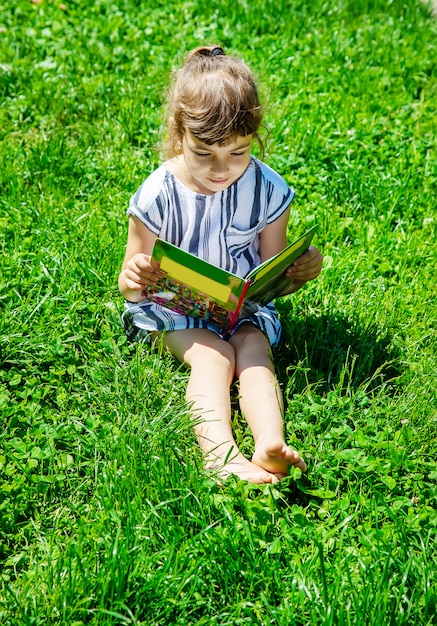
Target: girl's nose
220 165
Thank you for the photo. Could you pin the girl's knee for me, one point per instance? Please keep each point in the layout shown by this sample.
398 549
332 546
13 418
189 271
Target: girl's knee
210 355
250 338
252 348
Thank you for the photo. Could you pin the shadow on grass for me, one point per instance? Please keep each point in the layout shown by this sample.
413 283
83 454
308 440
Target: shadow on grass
330 351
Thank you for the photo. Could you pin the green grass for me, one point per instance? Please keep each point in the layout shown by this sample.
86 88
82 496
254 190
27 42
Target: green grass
105 514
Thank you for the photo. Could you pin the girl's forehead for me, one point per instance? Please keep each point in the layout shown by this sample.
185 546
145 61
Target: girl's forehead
235 142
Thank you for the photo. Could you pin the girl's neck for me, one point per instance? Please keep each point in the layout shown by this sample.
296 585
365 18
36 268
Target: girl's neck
177 167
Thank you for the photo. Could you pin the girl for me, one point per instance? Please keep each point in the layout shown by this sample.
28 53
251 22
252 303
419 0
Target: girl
212 198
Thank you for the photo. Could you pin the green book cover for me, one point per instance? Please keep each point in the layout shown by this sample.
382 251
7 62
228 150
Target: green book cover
267 281
192 286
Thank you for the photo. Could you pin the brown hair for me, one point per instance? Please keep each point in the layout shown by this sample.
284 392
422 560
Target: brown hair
214 96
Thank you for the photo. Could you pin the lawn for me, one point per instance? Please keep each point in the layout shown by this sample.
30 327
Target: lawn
106 516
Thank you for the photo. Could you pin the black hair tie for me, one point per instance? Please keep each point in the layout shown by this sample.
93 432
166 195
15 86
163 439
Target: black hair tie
217 51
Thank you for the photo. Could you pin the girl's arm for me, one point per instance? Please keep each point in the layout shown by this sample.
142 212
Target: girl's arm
273 239
137 272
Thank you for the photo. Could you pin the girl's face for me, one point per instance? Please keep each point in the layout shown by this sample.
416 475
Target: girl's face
212 168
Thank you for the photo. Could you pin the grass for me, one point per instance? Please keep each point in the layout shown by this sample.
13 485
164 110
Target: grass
105 514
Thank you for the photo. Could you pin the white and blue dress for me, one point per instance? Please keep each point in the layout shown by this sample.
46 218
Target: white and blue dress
222 228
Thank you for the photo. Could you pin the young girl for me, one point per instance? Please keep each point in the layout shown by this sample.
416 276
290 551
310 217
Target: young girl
214 199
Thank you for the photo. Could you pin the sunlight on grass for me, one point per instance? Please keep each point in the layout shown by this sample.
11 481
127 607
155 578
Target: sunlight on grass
106 515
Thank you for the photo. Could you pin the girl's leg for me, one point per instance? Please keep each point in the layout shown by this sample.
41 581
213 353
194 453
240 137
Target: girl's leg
212 363
261 401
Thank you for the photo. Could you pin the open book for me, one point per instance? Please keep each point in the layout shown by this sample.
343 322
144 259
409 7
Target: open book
192 286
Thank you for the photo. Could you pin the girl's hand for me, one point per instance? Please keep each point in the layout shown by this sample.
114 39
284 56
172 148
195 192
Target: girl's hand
305 268
138 274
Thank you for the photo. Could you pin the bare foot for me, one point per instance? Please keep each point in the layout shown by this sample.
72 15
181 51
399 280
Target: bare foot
244 469
275 456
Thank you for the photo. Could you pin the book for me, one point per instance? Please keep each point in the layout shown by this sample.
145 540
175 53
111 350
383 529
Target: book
192 286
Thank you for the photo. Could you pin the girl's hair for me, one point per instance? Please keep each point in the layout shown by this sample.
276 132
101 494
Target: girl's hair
214 96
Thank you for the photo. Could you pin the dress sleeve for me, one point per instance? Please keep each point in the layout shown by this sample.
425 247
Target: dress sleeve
147 203
279 194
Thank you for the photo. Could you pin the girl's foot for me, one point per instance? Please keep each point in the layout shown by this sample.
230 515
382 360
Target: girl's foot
273 455
244 469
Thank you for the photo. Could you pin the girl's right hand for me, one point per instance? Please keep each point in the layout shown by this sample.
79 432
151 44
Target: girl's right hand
139 273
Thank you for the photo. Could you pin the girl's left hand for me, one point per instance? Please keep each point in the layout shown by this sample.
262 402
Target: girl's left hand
305 268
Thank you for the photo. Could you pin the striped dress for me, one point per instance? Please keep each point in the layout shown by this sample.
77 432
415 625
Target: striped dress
222 228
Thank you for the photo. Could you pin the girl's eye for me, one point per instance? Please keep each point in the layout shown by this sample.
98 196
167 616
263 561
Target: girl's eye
237 154
202 154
